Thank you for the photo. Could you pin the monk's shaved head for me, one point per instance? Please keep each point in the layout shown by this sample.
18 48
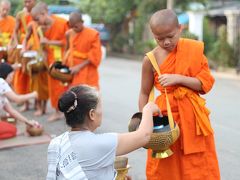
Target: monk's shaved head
75 17
5 2
5 7
76 21
39 8
165 17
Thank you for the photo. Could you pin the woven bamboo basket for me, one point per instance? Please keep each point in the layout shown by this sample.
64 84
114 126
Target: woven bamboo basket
162 137
60 72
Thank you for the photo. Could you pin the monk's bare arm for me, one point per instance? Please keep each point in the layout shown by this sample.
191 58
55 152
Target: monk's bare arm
67 36
27 37
16 29
190 82
146 83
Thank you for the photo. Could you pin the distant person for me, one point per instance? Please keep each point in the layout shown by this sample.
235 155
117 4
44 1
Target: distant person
6 93
185 74
82 154
84 52
7 22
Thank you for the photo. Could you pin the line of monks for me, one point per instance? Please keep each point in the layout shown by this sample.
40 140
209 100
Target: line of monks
34 38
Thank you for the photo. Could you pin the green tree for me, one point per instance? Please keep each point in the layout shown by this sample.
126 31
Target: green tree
222 52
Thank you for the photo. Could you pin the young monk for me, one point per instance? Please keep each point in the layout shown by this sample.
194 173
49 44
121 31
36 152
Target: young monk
82 154
38 79
7 24
22 19
84 48
54 29
185 75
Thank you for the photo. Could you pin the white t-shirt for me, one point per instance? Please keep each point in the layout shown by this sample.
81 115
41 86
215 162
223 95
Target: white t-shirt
4 88
95 153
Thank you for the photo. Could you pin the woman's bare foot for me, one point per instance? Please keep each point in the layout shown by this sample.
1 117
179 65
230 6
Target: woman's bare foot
55 116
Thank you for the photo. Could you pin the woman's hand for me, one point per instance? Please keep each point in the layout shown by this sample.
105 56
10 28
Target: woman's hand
153 108
33 123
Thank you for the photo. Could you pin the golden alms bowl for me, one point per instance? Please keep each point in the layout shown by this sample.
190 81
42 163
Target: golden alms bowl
60 72
34 130
162 137
120 162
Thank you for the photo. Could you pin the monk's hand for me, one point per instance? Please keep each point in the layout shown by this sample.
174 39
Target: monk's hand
44 41
169 79
75 69
35 94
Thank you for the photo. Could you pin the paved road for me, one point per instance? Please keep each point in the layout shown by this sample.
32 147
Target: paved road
120 82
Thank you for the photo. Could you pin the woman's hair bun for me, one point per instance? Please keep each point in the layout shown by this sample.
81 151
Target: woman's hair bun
66 101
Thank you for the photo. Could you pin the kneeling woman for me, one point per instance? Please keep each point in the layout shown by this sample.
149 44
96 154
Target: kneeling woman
6 93
82 154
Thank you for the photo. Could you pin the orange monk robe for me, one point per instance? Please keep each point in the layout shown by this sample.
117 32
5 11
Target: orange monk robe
21 81
6 27
194 155
55 32
38 81
86 45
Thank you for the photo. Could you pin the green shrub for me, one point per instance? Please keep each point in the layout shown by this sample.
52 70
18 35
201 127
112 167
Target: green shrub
189 35
222 53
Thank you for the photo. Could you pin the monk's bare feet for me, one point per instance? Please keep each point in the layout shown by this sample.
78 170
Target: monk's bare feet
39 112
55 116
24 108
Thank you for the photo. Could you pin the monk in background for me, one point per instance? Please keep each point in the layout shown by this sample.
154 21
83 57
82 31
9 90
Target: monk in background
83 49
54 29
185 74
7 24
23 18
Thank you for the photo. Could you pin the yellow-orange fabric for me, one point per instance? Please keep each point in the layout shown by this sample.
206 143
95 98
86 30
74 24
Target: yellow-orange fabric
55 32
85 45
21 81
194 152
6 29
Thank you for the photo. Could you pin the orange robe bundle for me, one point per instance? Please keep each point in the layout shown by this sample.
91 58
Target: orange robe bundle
194 152
85 45
6 27
21 81
55 32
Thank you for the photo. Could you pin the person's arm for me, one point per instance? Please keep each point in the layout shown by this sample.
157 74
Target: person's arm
27 37
12 96
45 41
15 31
128 142
15 114
75 69
147 79
178 79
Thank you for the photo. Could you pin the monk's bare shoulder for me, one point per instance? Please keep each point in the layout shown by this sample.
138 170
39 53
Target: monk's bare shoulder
146 64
